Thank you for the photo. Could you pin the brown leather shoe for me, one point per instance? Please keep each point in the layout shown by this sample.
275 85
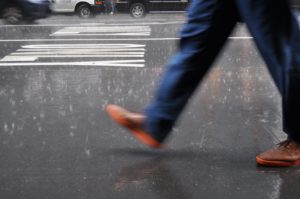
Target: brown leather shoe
134 122
286 154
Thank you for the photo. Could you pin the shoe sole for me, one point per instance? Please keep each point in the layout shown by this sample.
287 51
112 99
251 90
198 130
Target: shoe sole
277 163
145 138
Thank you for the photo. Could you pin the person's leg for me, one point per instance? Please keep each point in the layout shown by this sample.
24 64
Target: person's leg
107 6
209 24
112 2
276 33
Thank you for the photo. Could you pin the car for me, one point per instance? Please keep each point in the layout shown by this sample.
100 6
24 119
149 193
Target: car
139 8
17 11
83 8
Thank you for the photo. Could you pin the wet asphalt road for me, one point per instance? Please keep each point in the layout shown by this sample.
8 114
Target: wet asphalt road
57 142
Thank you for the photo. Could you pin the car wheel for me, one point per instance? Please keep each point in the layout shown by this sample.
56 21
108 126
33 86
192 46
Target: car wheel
137 10
84 11
12 15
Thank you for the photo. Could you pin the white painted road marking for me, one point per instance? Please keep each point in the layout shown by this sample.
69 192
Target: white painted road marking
114 63
28 54
104 31
98 54
87 46
96 24
121 39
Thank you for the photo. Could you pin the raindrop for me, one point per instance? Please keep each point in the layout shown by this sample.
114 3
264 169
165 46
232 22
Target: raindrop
5 127
13 125
87 152
42 115
71 108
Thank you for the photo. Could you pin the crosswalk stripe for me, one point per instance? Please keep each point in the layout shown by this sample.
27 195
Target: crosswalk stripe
111 63
104 31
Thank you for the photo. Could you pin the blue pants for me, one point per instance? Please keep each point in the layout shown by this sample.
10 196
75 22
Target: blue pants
210 22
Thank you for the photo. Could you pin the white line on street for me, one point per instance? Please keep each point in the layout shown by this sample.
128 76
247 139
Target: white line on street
124 39
121 39
240 37
34 58
116 63
108 28
85 46
95 24
104 31
131 23
34 54
102 34
76 50
70 52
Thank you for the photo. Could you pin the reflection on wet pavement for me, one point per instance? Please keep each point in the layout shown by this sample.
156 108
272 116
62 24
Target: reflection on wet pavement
151 174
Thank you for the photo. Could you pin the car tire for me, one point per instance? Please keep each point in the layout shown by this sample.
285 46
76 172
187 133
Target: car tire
12 15
84 11
137 10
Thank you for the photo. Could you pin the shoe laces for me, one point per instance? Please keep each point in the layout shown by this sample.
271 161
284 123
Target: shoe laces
284 144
